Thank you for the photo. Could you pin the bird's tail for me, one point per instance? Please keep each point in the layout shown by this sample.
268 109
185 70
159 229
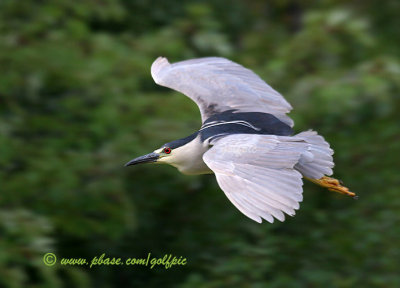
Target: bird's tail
316 163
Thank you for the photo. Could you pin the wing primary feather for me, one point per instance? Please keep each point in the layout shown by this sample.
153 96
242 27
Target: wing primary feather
226 186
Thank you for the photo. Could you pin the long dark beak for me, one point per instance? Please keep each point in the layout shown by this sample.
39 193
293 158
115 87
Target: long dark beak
148 158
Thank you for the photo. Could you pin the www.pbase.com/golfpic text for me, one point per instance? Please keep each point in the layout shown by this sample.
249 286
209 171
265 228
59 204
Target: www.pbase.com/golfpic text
167 261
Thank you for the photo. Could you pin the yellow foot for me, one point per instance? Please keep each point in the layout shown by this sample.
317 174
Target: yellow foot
333 185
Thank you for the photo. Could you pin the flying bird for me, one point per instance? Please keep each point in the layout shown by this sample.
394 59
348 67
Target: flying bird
246 138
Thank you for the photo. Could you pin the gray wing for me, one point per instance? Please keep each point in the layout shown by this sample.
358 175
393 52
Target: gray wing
256 173
217 84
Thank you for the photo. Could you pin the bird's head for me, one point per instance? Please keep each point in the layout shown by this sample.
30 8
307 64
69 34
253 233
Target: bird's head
158 156
184 154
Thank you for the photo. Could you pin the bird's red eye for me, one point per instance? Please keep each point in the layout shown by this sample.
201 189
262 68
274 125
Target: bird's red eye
167 150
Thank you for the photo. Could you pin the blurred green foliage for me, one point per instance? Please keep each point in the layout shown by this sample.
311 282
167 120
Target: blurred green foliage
77 101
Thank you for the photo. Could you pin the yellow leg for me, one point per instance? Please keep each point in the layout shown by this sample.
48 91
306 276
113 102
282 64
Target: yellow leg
333 185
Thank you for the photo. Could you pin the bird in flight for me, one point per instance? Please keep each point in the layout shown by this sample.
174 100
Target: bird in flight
246 139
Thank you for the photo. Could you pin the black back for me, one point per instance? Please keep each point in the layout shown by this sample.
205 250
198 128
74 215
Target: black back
229 122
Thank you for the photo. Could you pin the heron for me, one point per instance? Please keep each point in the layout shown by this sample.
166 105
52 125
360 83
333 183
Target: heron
246 139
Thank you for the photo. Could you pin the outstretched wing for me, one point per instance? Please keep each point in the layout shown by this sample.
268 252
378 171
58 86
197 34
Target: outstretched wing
217 84
256 173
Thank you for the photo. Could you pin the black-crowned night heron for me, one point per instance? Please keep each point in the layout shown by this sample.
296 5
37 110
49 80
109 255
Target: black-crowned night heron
246 138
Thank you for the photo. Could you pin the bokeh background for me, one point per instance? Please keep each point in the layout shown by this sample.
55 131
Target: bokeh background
77 102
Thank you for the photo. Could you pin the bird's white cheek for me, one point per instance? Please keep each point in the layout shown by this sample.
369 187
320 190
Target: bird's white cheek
165 159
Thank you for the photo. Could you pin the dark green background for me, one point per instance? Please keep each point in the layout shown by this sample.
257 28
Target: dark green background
77 102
